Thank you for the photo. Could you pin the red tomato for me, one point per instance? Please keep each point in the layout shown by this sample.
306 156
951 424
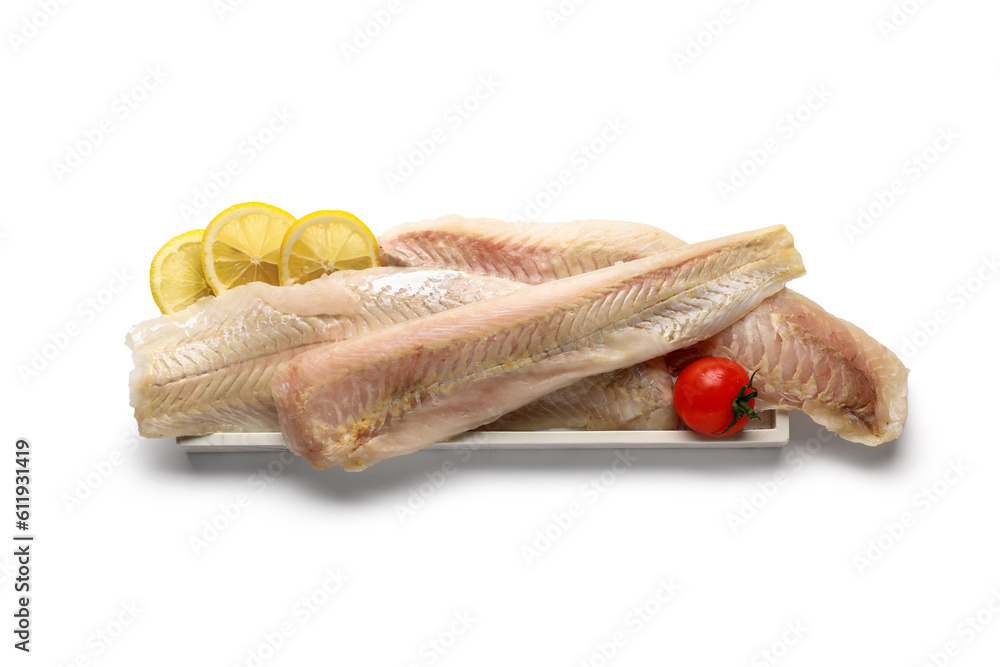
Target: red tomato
715 396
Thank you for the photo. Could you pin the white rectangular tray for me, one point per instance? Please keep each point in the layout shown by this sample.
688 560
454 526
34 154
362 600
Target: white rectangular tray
771 431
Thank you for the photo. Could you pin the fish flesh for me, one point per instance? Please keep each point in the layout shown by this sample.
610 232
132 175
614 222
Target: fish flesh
809 360
209 367
525 252
638 398
395 391
806 359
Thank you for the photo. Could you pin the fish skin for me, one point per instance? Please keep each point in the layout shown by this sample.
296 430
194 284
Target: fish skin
639 398
208 368
340 404
872 406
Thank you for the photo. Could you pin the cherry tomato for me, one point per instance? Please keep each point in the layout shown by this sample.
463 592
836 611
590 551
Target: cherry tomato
715 396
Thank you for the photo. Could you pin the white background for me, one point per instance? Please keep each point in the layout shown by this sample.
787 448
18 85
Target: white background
66 231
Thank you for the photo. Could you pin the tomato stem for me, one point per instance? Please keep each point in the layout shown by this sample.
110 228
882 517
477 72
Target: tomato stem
741 404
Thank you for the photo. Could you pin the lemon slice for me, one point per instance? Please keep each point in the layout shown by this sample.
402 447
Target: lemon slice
176 277
242 244
324 242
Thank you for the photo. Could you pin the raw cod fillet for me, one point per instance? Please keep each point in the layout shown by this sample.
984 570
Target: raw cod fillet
636 398
812 361
807 359
209 368
526 252
395 391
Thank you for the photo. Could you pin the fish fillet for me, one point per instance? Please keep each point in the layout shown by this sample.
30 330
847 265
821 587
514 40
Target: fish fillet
526 252
812 361
639 398
807 359
395 391
208 368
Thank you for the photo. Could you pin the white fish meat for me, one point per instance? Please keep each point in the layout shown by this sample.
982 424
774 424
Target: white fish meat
526 252
395 391
806 358
208 368
810 360
638 398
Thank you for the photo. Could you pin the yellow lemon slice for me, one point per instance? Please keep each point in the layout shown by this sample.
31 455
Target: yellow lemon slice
176 277
324 242
242 244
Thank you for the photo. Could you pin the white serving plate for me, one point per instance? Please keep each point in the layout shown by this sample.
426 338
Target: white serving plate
770 431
